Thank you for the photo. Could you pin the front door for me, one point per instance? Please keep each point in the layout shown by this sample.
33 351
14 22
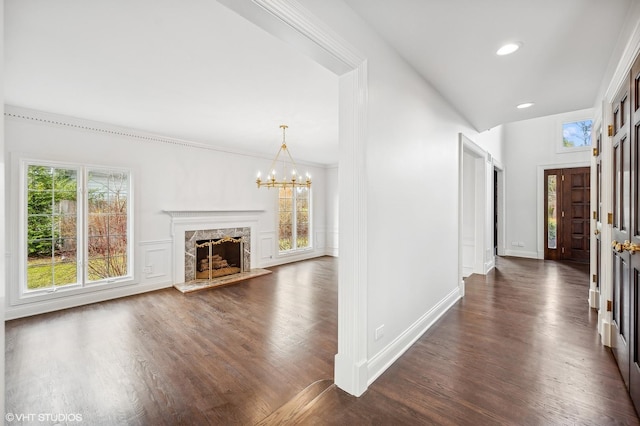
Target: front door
634 233
567 203
626 231
621 312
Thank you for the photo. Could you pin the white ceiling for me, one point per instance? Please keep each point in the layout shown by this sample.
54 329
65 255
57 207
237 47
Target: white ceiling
189 69
195 70
567 46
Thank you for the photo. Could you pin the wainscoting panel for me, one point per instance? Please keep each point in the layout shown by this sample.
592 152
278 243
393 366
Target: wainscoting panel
267 246
156 261
320 239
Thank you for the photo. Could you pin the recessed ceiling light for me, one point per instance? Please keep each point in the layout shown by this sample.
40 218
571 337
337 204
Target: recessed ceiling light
509 48
525 105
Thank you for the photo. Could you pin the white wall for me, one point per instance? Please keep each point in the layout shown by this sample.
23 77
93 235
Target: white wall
530 147
492 142
167 174
411 160
2 217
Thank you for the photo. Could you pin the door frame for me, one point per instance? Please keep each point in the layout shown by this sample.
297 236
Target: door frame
480 244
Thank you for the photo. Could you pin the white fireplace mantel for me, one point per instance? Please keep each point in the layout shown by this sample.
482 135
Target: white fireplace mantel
201 213
178 214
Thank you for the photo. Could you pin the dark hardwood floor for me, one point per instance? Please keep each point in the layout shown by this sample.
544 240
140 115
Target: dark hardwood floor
230 355
520 348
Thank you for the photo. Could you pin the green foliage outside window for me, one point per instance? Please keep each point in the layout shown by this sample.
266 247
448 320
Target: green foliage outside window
52 218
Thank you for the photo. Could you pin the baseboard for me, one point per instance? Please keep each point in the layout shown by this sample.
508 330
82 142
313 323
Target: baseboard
387 356
605 327
283 260
331 251
488 266
467 271
36 308
520 253
594 298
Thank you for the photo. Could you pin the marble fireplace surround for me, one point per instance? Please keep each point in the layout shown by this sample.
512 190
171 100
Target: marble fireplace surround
187 226
190 238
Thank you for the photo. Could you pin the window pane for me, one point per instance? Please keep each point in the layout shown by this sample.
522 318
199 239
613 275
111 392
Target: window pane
98 246
51 226
98 225
65 270
39 202
576 133
293 219
39 275
302 236
551 211
67 224
286 237
108 221
40 178
39 227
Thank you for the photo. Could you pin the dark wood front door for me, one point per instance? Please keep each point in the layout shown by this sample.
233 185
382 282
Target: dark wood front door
626 231
567 203
634 234
621 313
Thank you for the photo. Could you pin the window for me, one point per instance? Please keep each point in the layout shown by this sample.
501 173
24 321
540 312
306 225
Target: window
294 219
552 182
576 134
76 227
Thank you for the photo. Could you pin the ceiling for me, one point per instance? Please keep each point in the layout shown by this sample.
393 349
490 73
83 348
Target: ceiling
197 71
566 48
192 70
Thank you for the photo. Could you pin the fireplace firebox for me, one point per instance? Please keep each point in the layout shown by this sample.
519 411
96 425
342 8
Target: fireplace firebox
218 257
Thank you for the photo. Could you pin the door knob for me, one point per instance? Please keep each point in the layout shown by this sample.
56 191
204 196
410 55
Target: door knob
627 245
632 247
596 232
617 246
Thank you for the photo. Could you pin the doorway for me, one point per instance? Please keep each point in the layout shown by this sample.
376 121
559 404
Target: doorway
567 195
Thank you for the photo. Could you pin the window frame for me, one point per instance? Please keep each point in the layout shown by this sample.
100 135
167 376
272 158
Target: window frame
83 284
296 250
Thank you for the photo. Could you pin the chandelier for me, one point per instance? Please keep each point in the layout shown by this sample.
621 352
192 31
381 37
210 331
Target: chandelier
290 177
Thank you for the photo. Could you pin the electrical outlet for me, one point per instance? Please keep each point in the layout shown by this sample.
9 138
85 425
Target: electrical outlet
379 332
146 269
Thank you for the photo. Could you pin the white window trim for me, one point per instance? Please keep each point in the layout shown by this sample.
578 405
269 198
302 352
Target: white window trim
20 295
296 251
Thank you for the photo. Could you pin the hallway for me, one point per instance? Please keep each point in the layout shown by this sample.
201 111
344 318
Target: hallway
520 349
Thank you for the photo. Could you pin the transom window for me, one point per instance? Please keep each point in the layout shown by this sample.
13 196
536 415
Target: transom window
76 227
294 219
577 134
